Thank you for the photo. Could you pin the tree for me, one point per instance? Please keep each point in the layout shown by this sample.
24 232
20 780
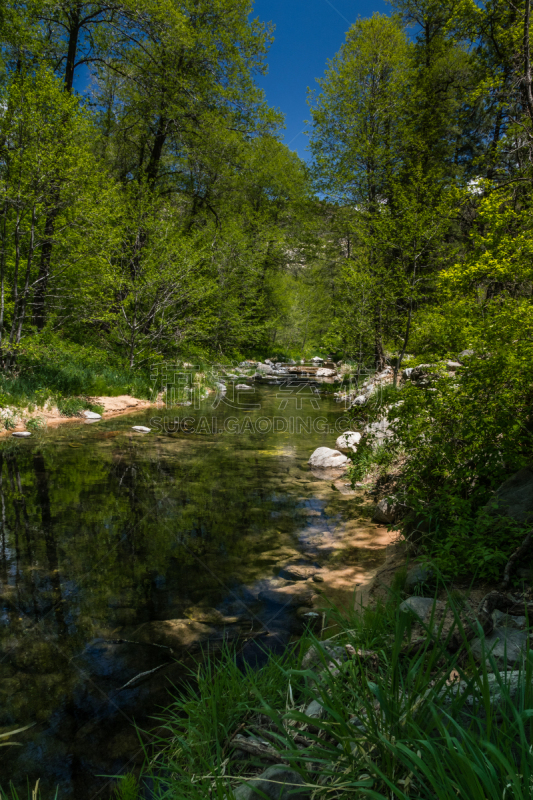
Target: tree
359 139
34 163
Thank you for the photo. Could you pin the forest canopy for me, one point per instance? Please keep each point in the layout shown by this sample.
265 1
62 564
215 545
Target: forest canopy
151 210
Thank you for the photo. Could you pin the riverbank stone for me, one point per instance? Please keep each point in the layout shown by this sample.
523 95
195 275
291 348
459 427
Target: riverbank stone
326 458
385 512
418 575
347 442
503 620
422 607
275 783
91 415
506 646
21 434
514 498
323 651
141 429
315 710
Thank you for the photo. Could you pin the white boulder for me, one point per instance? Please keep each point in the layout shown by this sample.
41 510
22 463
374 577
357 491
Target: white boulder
21 434
326 458
347 442
243 386
91 415
323 372
360 400
141 429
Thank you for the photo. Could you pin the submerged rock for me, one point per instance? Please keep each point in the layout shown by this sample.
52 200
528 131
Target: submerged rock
293 572
209 616
288 594
174 632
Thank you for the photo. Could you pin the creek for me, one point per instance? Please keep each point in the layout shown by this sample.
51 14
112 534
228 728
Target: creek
105 530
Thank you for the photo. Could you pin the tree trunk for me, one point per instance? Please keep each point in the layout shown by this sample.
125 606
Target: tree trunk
39 306
39 299
404 348
74 32
379 353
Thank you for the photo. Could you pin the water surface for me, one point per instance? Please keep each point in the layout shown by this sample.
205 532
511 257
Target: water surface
104 530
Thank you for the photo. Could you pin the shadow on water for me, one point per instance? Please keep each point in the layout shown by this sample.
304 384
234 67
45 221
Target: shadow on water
108 539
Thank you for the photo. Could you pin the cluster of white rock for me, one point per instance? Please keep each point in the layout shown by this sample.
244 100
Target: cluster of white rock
360 395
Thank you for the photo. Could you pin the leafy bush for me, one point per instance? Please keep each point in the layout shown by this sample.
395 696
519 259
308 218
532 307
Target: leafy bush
9 423
35 424
464 437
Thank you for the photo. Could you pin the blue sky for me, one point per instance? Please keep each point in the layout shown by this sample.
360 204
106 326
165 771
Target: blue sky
308 32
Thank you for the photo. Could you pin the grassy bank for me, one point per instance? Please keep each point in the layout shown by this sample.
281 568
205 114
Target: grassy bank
58 369
392 724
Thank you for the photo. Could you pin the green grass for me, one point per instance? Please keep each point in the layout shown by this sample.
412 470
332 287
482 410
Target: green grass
58 371
421 738
203 718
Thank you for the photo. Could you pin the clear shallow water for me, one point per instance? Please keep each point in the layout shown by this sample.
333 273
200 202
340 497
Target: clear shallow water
104 530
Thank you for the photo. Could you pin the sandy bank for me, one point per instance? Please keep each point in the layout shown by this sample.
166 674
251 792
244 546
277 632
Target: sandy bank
113 407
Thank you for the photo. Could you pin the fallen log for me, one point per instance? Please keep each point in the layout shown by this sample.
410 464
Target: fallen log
258 749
